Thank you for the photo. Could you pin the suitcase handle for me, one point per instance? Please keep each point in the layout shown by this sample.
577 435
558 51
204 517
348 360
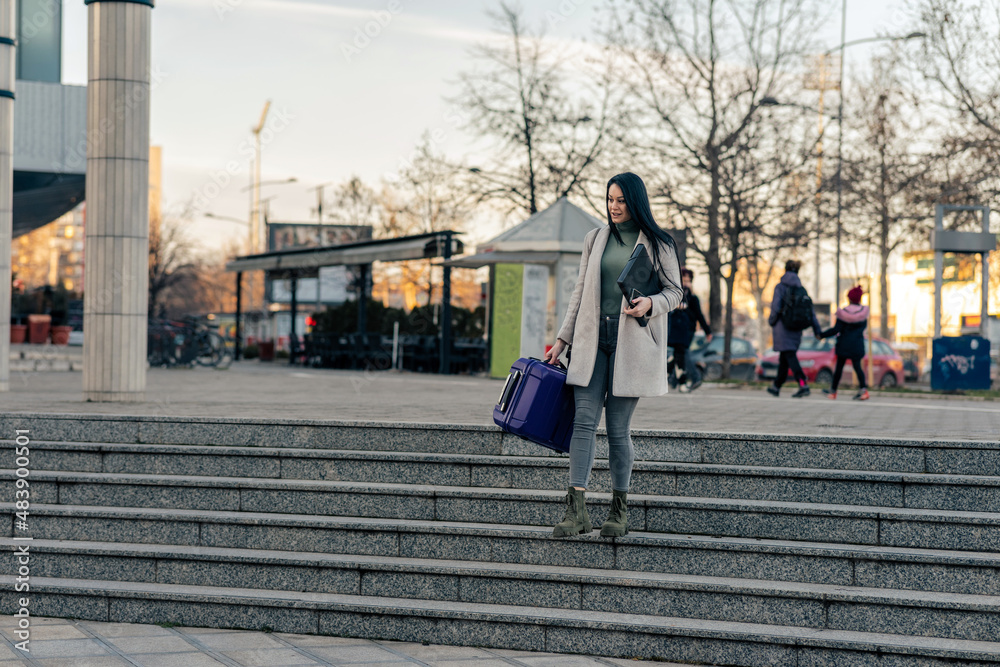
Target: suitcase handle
508 390
559 364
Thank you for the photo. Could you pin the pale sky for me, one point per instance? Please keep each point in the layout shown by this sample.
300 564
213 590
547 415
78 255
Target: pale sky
216 62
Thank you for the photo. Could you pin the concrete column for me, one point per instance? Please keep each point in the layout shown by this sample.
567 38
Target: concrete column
8 33
117 235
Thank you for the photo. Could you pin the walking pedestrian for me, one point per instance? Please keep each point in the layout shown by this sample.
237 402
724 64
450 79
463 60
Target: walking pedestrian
791 313
849 330
684 323
615 359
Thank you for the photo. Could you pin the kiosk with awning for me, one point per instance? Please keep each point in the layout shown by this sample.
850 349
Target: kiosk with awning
533 270
299 263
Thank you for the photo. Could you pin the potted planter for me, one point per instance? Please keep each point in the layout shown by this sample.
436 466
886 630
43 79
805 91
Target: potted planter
266 348
38 329
60 334
18 332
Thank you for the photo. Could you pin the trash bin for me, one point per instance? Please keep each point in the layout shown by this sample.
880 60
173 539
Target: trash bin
266 349
38 329
961 362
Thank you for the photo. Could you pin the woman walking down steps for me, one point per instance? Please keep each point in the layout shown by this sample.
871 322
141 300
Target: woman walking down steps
615 360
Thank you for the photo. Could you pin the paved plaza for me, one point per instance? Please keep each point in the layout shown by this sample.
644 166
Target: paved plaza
70 643
251 389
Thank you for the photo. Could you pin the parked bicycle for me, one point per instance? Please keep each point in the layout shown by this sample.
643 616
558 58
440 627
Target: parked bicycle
184 343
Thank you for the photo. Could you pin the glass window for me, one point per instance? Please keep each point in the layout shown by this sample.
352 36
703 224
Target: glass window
815 345
39 40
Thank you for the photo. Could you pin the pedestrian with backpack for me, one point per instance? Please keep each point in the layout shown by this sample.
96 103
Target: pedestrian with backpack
850 333
791 313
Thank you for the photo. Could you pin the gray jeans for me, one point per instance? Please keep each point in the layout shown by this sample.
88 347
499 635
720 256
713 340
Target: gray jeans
618 412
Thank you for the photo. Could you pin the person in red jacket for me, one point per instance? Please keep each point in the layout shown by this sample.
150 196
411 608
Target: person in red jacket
850 333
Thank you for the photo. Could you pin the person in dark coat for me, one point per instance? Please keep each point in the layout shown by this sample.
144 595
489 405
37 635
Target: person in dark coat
850 333
683 323
786 342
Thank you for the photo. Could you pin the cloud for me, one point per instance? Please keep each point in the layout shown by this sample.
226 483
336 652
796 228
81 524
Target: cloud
405 21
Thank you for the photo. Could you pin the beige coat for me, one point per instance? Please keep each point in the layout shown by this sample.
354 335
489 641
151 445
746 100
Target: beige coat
641 358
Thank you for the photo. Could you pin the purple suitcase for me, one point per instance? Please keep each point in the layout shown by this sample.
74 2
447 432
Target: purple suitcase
537 405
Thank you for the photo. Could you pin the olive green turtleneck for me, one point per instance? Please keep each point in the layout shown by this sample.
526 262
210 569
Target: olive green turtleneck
612 262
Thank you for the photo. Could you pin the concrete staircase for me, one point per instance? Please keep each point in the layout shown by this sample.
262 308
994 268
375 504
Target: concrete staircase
744 550
35 358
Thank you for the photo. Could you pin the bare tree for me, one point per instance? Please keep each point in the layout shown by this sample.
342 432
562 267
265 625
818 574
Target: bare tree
217 283
699 72
174 268
889 171
357 203
961 54
960 57
429 195
762 207
544 142
762 268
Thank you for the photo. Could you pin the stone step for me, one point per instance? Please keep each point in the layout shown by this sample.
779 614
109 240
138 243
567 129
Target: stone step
31 365
928 614
827 562
46 352
827 452
841 487
816 522
492 625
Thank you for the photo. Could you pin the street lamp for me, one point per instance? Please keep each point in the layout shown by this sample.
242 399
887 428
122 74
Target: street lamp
319 203
840 120
319 234
282 181
256 228
226 218
773 102
240 326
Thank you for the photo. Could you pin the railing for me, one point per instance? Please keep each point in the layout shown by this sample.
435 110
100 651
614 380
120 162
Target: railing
374 352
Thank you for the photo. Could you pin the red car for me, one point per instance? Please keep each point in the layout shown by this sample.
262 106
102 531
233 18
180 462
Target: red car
818 362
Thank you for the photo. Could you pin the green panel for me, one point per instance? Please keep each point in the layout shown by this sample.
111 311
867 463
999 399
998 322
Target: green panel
506 340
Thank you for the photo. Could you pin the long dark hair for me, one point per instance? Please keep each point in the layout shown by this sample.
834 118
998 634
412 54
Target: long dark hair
637 202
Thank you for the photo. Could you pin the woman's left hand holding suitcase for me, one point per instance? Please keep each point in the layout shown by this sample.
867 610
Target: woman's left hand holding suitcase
552 356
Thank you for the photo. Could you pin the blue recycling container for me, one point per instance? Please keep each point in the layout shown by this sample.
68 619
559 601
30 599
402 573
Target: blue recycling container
961 362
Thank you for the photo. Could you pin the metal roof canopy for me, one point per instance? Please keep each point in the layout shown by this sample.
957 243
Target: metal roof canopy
306 261
541 239
487 258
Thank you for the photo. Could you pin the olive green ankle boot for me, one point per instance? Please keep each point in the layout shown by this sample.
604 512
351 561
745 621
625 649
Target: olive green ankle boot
576 520
617 523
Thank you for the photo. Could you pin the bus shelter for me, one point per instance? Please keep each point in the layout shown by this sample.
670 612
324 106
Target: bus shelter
534 267
295 264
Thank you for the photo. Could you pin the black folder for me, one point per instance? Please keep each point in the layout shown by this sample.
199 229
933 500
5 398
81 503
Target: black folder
639 278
